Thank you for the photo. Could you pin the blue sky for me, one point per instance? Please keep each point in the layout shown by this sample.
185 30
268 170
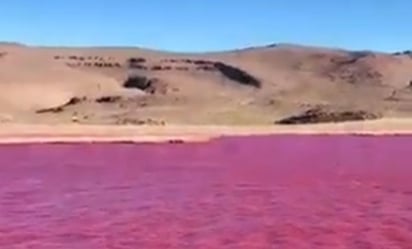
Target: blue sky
204 25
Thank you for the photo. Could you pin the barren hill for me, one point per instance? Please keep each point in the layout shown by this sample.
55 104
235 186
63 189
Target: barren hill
260 85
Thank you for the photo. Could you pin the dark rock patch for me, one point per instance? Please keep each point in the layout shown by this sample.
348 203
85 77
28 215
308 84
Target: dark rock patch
57 109
406 52
314 116
135 62
201 62
140 67
104 64
108 99
74 101
352 70
190 61
273 45
112 64
50 110
72 57
237 75
139 82
156 68
161 68
206 68
151 86
351 58
170 60
89 61
176 141
230 72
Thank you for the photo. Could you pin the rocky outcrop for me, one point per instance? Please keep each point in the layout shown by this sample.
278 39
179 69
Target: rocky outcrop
140 67
88 61
237 75
137 60
233 73
57 109
105 64
108 99
152 86
406 52
314 116
353 69
136 63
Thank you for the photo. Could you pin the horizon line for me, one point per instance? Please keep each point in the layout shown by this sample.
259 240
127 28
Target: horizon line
257 46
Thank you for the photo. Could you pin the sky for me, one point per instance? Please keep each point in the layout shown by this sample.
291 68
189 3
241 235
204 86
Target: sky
209 25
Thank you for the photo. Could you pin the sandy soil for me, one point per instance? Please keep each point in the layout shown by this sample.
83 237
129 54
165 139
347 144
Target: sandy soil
26 133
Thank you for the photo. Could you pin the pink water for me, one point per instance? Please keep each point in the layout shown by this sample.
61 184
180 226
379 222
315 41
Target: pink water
257 192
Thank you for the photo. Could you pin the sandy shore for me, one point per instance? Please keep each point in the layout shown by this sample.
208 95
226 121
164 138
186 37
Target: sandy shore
24 133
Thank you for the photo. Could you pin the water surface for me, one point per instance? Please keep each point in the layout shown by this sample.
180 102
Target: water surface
283 191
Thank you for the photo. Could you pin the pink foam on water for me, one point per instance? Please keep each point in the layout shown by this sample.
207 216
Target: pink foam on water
285 191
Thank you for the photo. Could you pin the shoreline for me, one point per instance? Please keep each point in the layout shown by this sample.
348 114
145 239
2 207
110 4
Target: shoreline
78 133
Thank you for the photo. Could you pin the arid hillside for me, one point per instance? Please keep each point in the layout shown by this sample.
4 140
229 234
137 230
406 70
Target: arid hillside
283 84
